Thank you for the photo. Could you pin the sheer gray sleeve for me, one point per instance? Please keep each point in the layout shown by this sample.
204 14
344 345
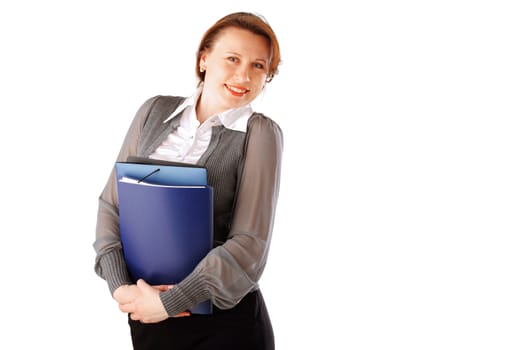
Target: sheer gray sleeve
233 269
109 261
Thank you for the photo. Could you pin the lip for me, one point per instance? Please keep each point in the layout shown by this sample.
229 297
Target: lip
237 91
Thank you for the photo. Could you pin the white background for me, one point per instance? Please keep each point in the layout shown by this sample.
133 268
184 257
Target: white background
401 217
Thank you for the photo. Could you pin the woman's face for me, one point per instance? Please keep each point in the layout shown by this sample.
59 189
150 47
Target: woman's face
236 69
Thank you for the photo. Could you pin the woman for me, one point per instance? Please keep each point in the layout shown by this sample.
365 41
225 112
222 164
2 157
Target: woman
241 150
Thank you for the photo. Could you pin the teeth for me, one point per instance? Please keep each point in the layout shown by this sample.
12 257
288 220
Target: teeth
240 91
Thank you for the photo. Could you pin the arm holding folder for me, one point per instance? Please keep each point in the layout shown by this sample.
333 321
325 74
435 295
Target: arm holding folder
233 269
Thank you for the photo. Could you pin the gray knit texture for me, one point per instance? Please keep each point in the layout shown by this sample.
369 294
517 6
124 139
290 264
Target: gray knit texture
114 262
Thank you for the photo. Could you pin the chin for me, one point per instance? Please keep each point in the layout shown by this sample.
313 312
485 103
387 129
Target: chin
236 102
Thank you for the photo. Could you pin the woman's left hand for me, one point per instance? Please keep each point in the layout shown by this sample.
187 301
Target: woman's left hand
147 307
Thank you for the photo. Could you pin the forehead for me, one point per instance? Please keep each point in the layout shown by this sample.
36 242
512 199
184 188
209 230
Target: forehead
243 42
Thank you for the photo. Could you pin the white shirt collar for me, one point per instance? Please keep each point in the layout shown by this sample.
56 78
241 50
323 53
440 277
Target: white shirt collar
188 101
235 119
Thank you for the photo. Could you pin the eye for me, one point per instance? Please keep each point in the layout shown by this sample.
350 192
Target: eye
258 65
232 59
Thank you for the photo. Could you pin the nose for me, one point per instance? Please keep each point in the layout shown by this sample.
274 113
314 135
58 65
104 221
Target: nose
242 73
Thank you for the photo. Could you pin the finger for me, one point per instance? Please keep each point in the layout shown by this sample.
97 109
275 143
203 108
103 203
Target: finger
128 308
162 288
134 317
142 284
147 321
183 314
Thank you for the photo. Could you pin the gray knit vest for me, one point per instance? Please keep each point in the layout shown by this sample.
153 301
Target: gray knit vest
223 159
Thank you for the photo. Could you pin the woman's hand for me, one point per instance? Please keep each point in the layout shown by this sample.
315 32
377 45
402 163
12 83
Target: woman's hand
147 307
163 287
126 294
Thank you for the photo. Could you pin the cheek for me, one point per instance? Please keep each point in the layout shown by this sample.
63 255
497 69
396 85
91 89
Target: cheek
260 82
226 69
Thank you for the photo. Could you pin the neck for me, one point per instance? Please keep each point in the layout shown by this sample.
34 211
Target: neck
202 112
207 107
203 109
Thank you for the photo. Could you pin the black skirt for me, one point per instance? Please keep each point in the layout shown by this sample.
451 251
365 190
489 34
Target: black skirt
246 326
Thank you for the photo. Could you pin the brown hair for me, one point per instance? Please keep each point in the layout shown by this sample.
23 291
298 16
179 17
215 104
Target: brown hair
243 20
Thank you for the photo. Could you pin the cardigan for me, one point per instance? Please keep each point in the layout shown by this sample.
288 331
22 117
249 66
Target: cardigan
244 171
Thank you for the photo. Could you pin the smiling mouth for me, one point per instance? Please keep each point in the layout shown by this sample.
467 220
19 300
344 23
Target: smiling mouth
236 91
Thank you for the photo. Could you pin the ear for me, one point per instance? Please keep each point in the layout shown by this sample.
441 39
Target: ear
202 62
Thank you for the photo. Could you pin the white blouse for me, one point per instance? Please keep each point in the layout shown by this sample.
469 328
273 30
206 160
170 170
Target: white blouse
188 142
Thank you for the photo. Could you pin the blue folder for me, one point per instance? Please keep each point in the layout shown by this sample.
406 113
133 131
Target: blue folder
166 228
